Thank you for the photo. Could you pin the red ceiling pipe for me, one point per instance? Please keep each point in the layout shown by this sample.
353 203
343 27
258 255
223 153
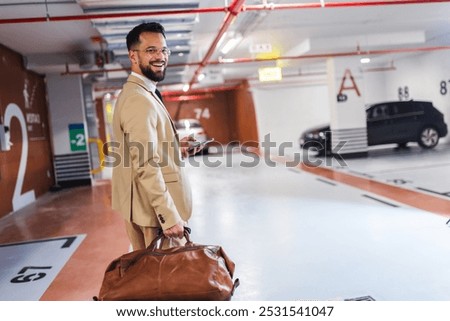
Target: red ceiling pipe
333 54
95 71
258 60
233 10
112 15
199 90
92 71
315 5
242 7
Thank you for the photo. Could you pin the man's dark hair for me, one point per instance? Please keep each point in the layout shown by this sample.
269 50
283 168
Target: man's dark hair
133 35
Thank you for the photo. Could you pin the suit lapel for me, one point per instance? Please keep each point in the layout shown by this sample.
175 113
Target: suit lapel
165 110
139 82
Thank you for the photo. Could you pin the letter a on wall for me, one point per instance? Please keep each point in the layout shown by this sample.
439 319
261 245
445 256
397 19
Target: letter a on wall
348 77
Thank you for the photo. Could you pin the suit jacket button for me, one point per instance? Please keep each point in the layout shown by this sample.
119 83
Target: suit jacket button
161 218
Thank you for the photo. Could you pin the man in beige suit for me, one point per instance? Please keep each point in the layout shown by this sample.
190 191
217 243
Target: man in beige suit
149 187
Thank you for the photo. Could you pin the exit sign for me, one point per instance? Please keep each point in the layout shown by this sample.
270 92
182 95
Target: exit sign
261 48
270 74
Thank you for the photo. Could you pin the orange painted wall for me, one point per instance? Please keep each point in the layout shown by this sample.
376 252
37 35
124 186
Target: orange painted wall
27 90
244 121
228 116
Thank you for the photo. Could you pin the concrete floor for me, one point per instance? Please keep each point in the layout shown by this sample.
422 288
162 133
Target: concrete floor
294 233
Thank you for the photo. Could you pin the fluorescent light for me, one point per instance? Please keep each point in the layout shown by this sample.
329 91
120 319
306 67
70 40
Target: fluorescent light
222 39
365 60
231 44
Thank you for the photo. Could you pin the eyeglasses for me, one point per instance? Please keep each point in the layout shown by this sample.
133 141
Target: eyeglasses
153 51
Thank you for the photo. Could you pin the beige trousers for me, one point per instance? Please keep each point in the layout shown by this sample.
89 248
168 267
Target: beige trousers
142 236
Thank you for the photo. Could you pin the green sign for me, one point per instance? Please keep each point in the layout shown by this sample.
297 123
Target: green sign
77 137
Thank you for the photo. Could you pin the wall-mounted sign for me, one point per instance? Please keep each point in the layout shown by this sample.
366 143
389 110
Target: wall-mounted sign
77 137
19 199
261 48
348 77
270 74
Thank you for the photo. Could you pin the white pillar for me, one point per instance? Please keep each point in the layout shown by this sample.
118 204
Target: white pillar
347 108
68 130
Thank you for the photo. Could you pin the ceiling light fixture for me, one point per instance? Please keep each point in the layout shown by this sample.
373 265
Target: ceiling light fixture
365 60
186 87
231 44
221 40
201 77
322 3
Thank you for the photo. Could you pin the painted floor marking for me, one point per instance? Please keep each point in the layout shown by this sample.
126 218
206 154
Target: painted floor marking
412 198
28 268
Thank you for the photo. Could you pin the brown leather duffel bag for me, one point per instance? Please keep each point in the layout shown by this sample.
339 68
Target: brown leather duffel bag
190 272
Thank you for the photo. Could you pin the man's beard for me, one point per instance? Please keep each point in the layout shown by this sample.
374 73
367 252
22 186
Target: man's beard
150 74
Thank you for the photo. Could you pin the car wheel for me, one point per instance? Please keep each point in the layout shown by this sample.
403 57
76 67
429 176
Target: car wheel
324 150
428 137
321 152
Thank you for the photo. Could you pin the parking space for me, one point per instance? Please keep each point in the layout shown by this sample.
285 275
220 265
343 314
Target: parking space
426 171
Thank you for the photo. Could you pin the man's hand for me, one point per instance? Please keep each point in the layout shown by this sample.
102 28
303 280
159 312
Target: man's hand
185 145
175 231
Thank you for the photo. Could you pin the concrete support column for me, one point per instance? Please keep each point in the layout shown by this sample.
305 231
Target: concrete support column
347 107
68 130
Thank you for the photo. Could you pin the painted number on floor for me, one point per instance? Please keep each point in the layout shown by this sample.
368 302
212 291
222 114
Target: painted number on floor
30 273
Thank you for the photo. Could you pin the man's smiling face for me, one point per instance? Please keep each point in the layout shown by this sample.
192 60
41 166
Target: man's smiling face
151 65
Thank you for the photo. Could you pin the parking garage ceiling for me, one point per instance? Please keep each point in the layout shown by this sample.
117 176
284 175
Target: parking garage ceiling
88 36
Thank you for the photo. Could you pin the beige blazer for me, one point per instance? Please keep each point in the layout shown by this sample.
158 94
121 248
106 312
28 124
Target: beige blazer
149 186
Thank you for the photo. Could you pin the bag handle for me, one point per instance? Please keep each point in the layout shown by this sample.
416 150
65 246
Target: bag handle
235 285
154 244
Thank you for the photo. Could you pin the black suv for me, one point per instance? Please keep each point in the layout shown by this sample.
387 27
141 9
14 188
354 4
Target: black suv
397 122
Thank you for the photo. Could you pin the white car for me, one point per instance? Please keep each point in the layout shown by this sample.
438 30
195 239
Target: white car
186 127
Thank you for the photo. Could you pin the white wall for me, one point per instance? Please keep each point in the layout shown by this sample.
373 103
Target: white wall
285 112
375 86
423 73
